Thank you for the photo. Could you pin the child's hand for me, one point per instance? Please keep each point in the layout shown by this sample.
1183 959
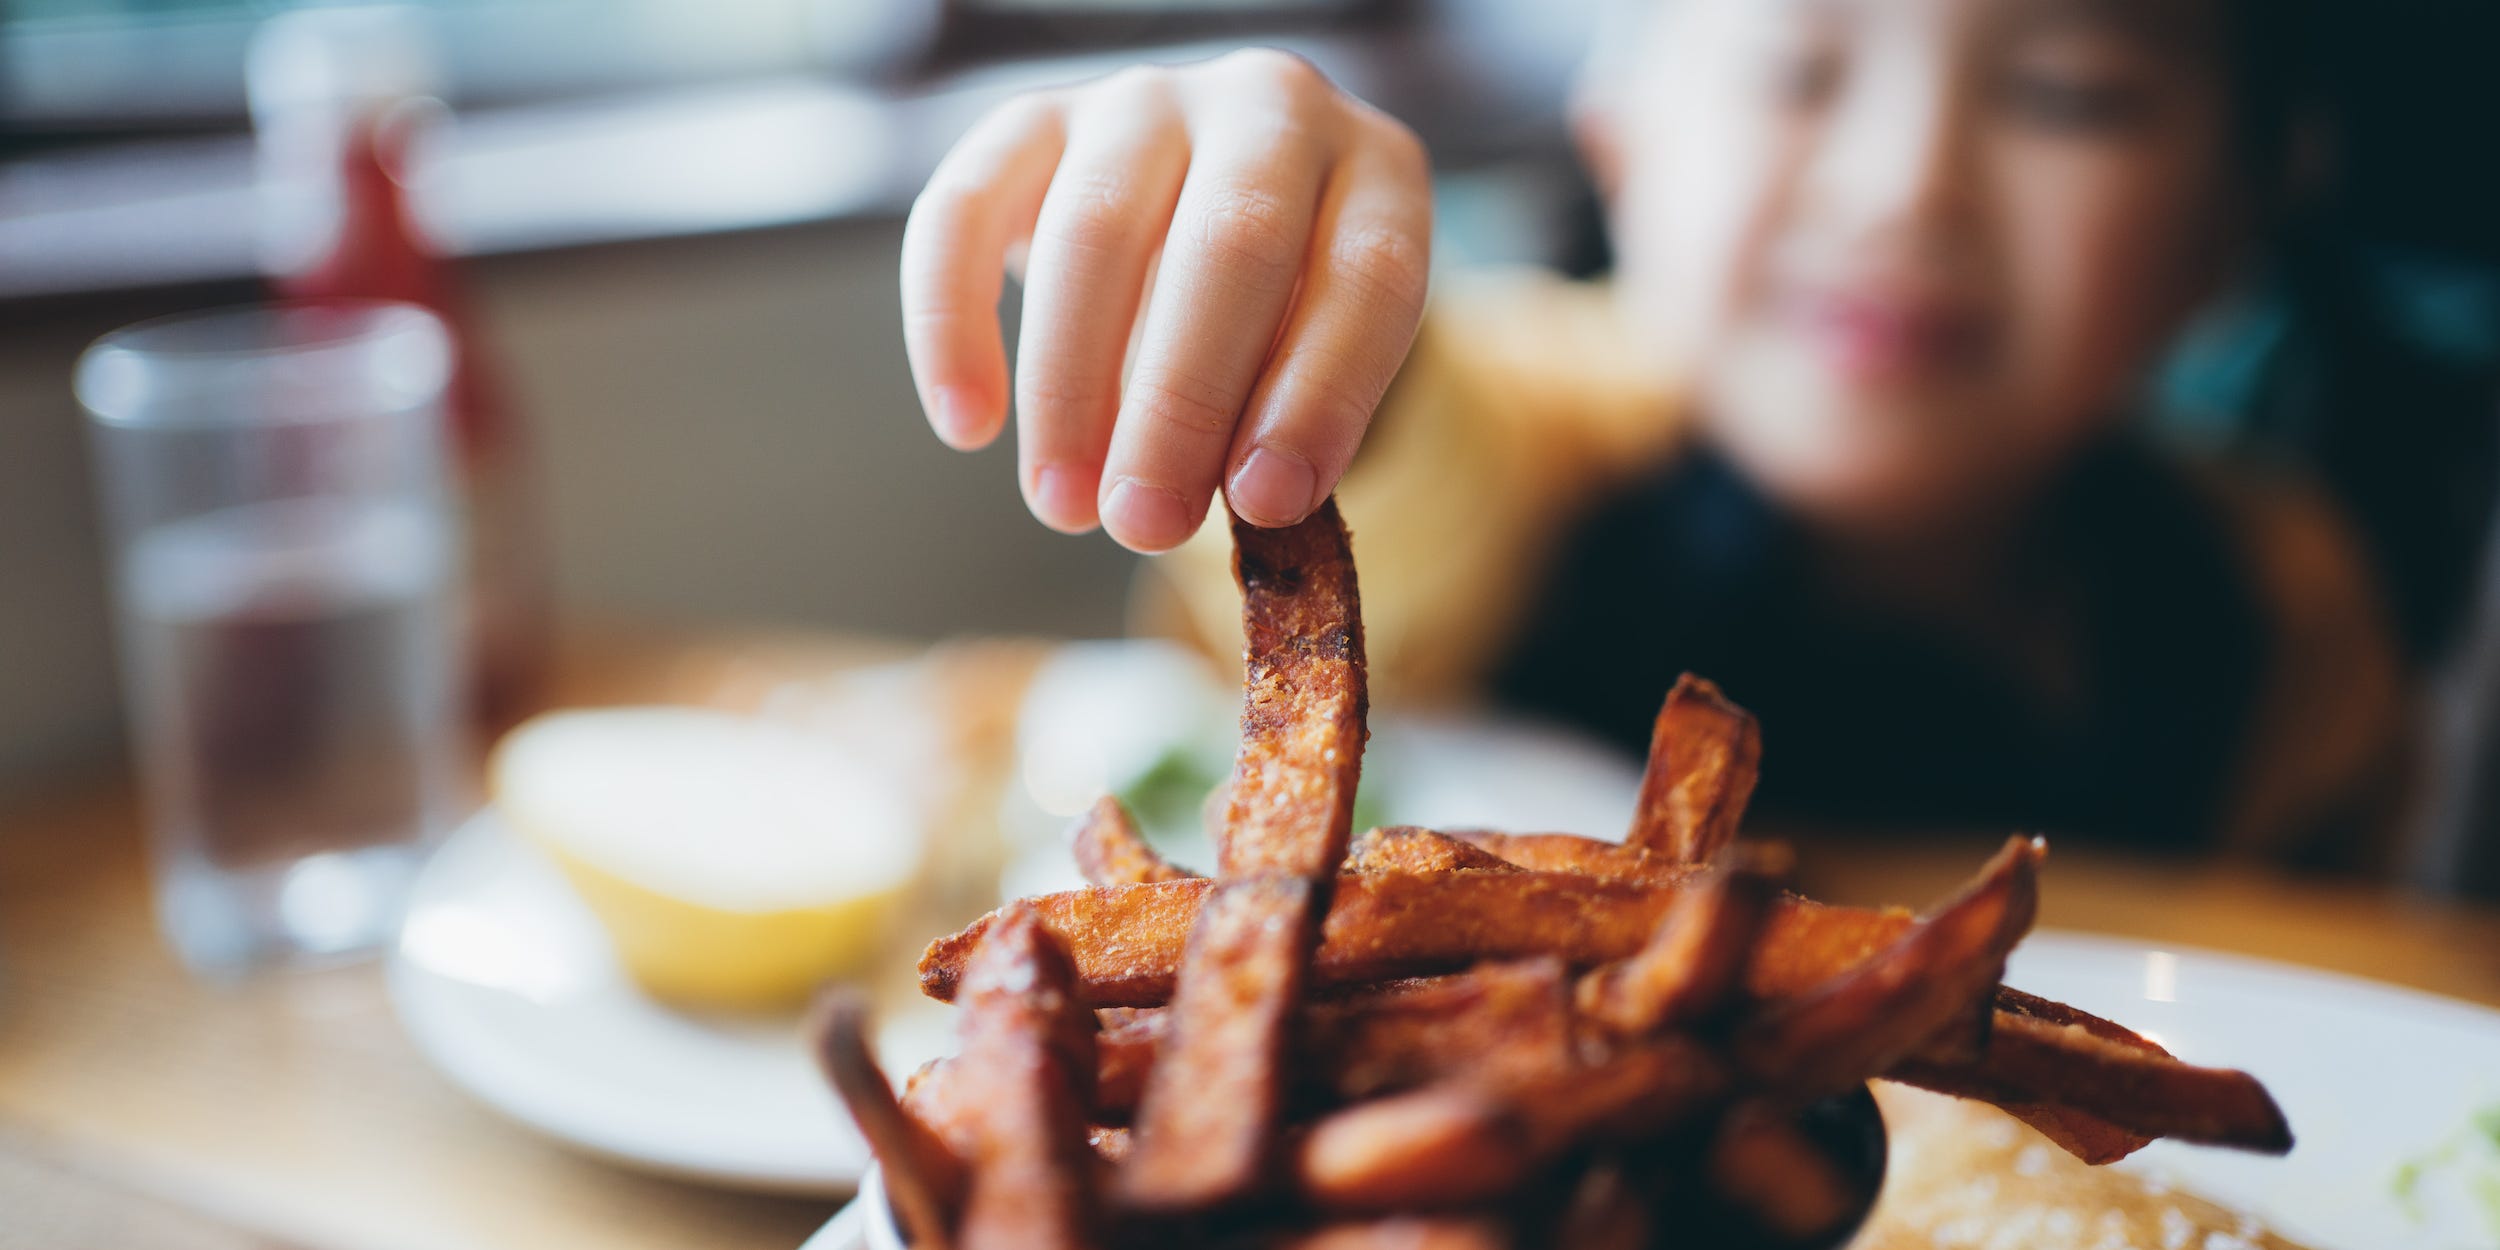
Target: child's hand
1285 229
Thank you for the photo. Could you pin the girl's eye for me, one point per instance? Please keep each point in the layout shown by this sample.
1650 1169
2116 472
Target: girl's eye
2073 105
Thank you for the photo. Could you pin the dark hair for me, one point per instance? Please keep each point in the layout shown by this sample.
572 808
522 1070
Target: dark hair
2275 85
2394 421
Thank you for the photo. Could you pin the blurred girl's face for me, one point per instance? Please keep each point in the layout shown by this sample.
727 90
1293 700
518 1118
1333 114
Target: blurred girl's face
1917 250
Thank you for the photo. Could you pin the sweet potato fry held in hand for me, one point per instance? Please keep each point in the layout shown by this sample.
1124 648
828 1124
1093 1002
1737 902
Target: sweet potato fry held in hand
1291 809
1206 1128
1473 1038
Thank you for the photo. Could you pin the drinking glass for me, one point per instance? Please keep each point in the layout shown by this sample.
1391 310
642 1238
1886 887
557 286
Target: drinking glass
274 487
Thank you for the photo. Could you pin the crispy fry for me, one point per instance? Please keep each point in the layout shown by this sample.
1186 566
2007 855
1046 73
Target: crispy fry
934 1099
1206 1124
2016 1002
1026 1062
1762 1165
1441 1146
1604 1212
2085 1136
2081 1134
1450 1144
1642 1089
2075 1070
1692 965
1109 1141
1909 998
1127 939
1125 1056
923 1178
1495 1021
1405 848
1110 851
1571 853
1704 753
1292 803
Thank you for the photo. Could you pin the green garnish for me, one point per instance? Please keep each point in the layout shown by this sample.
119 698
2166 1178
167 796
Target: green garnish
2486 1187
2488 1120
2473 1152
1169 793
2407 1179
1367 806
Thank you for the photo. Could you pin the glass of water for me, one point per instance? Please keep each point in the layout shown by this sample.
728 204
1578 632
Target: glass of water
277 498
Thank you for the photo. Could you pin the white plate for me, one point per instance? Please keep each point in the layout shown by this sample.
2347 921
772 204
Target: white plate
2370 1075
508 985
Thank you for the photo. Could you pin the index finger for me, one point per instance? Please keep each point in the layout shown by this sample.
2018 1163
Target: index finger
983 197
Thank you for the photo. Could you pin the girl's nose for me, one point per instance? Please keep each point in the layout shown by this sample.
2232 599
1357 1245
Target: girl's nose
1895 159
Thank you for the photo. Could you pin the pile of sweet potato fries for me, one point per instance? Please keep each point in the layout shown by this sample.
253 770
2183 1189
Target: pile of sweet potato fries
1468 1038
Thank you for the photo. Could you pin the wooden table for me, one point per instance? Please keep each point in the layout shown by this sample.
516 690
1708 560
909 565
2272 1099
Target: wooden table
139 1107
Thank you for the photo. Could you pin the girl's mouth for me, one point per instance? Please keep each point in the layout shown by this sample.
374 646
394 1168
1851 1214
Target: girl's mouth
1884 339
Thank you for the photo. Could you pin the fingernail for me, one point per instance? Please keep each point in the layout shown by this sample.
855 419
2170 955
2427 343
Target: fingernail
955 417
1273 487
1147 518
1063 499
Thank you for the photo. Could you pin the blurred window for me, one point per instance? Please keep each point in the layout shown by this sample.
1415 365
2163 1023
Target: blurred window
87 66
71 67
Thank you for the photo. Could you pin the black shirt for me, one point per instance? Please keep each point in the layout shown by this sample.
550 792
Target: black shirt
1878 722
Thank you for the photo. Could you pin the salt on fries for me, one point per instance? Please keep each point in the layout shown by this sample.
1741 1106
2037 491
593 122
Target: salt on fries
1466 1038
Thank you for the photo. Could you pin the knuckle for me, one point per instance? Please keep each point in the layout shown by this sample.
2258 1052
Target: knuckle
1087 214
1400 147
939 222
1123 92
1278 68
1052 398
1173 401
1390 264
942 208
1139 76
1252 232
928 318
1331 411
1022 111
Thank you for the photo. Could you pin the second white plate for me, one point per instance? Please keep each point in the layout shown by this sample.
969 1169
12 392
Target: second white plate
508 985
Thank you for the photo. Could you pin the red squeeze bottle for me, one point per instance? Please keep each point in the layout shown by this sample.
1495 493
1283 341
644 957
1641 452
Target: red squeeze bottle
378 251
